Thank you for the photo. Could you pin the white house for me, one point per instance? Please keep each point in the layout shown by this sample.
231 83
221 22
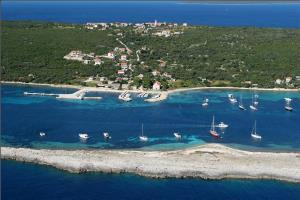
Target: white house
156 86
111 55
278 81
123 57
97 61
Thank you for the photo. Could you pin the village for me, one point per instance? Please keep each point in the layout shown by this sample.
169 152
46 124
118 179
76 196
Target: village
123 58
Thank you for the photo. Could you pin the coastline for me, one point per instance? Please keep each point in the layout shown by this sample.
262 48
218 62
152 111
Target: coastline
150 91
209 161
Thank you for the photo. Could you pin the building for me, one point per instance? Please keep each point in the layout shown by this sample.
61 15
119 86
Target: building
156 85
123 57
97 61
121 72
288 80
111 55
278 81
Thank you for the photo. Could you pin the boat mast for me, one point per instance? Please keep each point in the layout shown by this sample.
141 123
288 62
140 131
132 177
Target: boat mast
213 124
255 127
142 129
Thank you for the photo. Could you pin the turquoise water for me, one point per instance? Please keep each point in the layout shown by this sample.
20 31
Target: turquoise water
23 117
28 181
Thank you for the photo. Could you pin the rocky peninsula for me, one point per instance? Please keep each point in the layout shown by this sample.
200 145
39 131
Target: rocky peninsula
210 161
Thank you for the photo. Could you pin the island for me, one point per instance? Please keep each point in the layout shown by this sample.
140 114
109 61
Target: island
156 56
209 161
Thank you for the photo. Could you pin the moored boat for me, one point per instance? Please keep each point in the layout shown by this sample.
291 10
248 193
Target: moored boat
83 136
241 106
212 130
222 125
42 134
142 137
177 135
106 135
254 133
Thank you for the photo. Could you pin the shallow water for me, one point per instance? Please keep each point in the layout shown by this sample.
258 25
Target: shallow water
23 117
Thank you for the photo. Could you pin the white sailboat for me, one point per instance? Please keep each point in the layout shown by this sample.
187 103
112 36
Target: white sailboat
288 106
42 134
212 130
205 102
83 136
142 137
252 106
241 106
232 99
254 134
106 135
177 135
255 99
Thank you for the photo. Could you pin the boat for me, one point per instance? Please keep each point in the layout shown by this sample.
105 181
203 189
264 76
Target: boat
241 106
145 95
252 106
255 99
287 99
254 134
231 98
213 131
142 137
125 96
177 135
83 136
288 108
106 135
205 102
42 134
222 125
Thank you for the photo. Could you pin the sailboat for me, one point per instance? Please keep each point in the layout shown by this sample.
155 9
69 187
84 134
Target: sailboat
42 134
177 135
254 134
287 106
106 135
256 99
252 106
205 102
241 106
142 137
213 131
83 136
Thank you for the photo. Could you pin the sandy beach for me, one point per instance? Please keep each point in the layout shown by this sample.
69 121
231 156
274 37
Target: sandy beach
210 161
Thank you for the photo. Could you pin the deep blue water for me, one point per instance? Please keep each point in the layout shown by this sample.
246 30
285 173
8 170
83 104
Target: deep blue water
28 181
23 117
284 15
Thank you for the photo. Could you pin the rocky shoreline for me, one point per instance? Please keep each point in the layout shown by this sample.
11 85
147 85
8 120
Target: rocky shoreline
210 161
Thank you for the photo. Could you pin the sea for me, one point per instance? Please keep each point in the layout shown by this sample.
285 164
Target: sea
24 117
276 15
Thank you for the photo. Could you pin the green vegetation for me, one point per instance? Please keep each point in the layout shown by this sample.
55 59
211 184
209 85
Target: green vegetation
201 56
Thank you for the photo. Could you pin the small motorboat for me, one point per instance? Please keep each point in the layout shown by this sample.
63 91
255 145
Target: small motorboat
252 107
288 108
177 135
42 134
83 136
223 125
106 135
254 134
204 104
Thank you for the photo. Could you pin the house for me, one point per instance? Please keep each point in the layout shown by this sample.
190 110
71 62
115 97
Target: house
156 85
121 72
140 76
111 55
278 81
123 57
155 73
86 61
97 61
288 80
297 78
